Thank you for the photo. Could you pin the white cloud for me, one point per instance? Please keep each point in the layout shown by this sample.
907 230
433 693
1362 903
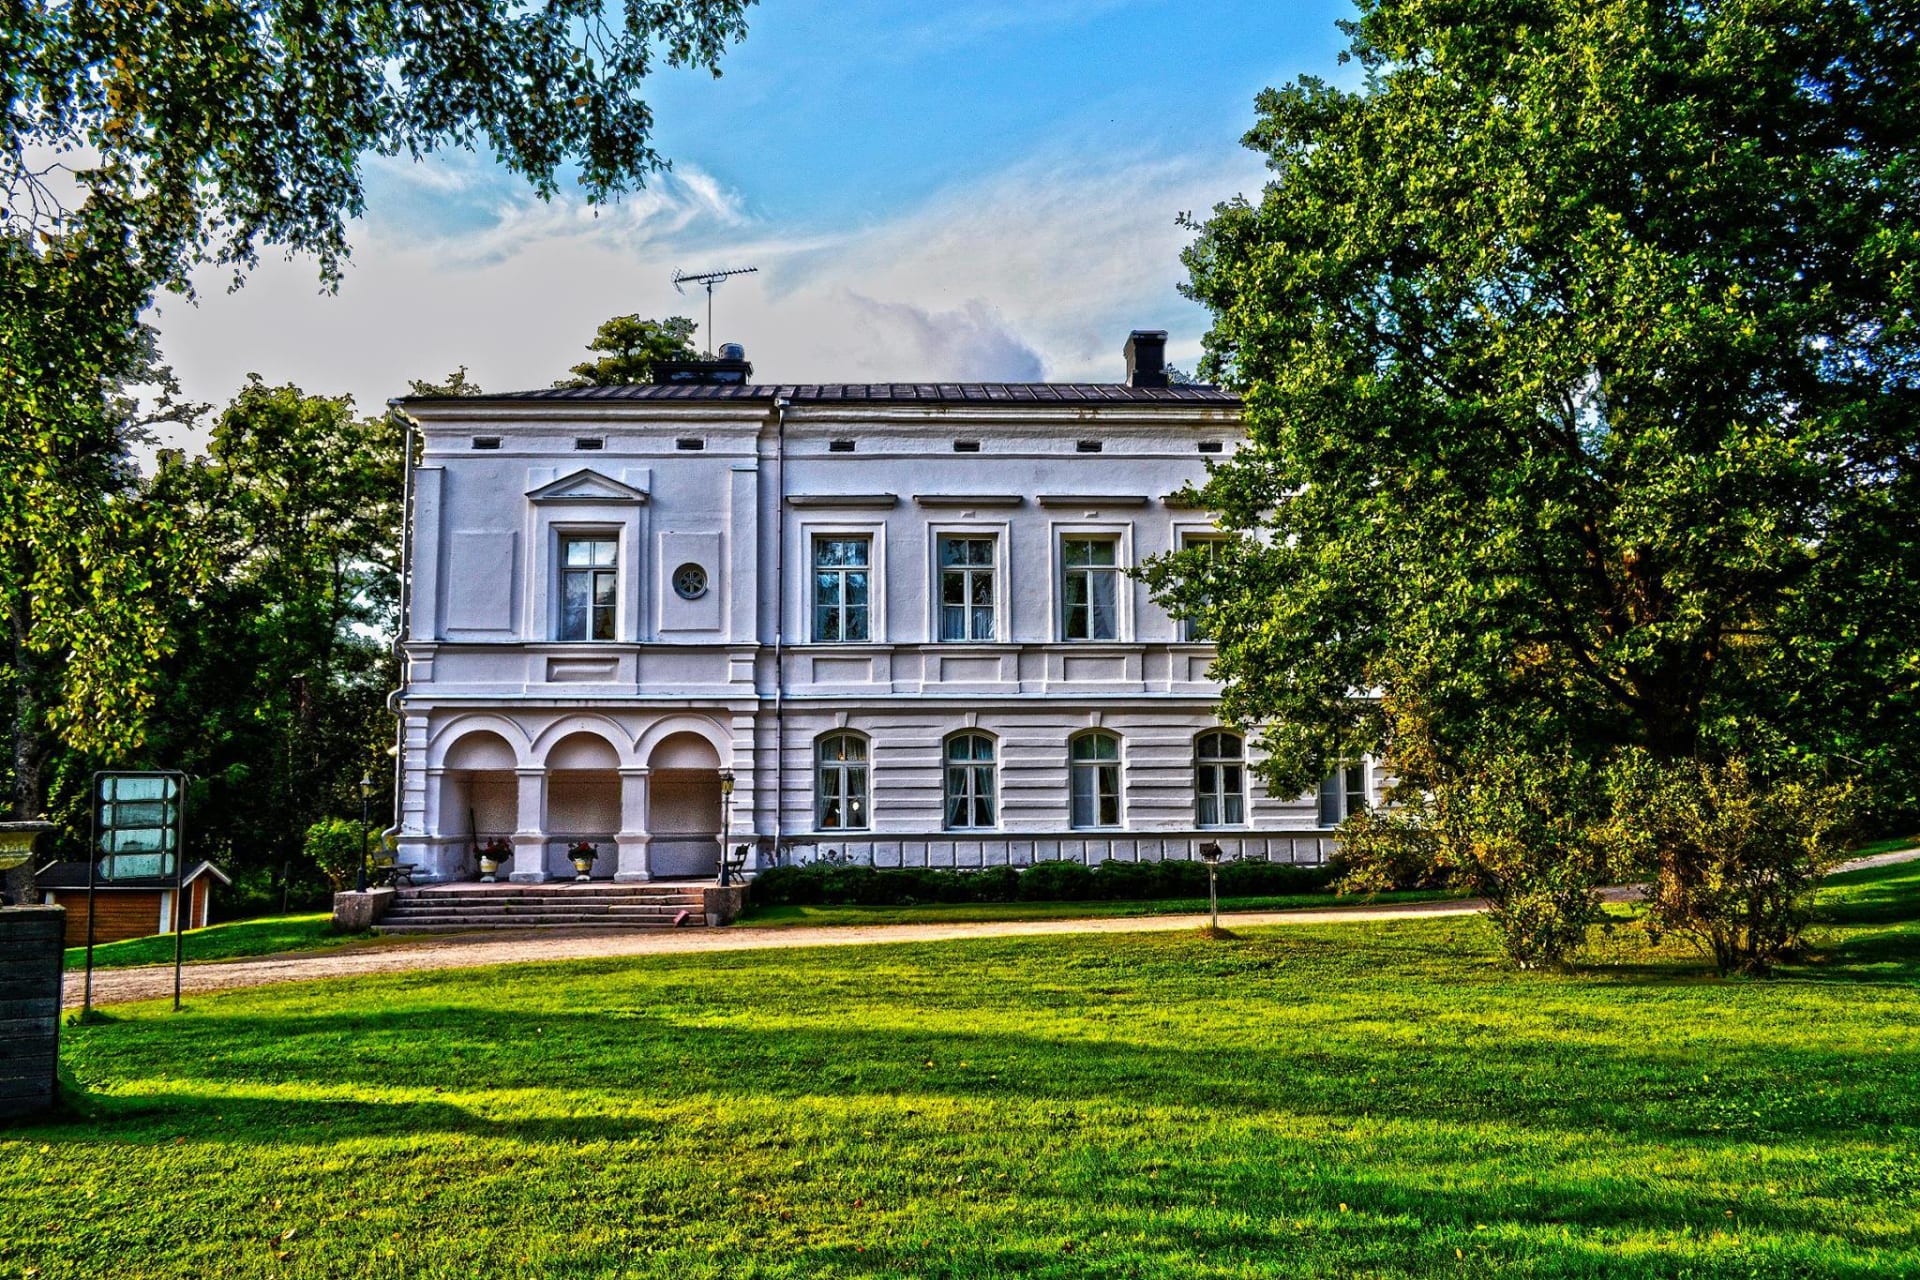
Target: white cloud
1038 272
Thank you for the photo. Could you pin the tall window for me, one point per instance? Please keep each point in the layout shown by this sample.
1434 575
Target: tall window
1095 780
1209 547
1091 567
587 588
840 783
841 579
966 588
1219 780
1343 794
970 782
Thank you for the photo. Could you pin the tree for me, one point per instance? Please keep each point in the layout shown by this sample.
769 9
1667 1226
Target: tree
454 386
1582 382
631 347
143 140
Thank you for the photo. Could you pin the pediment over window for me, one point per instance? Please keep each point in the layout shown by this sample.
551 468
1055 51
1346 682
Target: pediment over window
586 485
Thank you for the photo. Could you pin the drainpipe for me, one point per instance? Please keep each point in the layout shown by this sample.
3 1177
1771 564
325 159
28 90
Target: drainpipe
780 406
395 413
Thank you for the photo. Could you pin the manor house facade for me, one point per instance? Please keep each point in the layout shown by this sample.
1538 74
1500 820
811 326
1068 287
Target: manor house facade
885 622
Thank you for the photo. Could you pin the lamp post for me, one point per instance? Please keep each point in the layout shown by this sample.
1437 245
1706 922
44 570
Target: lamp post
726 824
366 797
1210 854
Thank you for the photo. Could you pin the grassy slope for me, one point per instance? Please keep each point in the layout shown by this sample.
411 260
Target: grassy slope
956 912
262 937
1329 1101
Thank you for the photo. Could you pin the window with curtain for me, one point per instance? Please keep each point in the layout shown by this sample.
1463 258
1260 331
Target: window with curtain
969 789
1220 780
1091 588
589 575
966 588
1343 793
841 588
840 783
1095 780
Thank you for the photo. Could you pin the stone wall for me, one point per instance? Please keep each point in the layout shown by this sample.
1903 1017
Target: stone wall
30 962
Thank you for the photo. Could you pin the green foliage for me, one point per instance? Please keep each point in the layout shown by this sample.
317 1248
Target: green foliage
453 387
339 848
1342 1101
141 140
1053 881
630 348
1582 376
1738 855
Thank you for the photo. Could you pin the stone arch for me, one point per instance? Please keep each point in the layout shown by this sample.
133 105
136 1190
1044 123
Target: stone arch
450 734
716 736
603 727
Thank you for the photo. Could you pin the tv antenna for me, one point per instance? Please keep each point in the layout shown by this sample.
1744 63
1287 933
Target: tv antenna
709 279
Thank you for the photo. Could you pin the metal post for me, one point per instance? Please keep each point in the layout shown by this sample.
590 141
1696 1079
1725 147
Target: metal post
360 876
179 885
93 866
726 826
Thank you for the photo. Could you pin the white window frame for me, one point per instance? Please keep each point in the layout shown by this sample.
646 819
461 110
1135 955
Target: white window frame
875 534
561 535
1338 791
975 770
1185 539
936 576
1218 792
1121 535
1095 768
844 771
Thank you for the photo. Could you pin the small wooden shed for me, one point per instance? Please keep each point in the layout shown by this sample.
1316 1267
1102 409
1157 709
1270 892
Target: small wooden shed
128 908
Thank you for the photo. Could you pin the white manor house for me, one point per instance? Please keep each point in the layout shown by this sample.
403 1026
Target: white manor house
896 620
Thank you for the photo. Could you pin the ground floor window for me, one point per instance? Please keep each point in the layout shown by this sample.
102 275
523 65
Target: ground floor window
1220 780
840 783
1095 780
1343 794
969 788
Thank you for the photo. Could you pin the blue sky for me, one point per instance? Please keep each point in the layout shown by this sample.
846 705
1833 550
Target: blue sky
985 190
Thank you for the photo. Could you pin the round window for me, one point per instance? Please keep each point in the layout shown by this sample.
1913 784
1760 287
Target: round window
690 582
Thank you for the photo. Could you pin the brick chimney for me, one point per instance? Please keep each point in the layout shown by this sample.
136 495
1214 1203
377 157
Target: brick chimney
1147 358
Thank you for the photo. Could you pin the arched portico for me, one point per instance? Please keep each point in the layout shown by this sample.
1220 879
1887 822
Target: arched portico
683 810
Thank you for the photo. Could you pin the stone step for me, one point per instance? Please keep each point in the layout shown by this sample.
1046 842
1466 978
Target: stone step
582 903
494 893
600 925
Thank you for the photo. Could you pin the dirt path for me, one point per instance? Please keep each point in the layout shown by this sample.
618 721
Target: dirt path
471 950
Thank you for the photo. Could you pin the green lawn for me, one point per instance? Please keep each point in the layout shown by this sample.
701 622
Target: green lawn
264 937
1361 1100
962 912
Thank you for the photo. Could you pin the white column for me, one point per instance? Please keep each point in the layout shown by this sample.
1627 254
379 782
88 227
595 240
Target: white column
634 865
530 841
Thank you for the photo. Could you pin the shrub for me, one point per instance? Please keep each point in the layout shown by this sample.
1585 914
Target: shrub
1052 881
1735 856
336 846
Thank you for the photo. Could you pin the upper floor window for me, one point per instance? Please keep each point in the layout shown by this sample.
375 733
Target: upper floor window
1091 590
842 568
966 588
1095 780
1343 795
969 785
588 575
840 783
1210 547
1219 780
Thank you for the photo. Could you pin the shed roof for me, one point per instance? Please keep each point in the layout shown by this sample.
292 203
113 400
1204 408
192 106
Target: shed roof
73 875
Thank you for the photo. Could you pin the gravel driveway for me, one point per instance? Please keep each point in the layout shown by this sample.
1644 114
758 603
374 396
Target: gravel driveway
470 950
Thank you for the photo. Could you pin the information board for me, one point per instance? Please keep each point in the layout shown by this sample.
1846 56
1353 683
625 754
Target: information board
136 824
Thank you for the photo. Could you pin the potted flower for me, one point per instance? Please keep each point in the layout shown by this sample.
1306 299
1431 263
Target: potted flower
492 854
583 853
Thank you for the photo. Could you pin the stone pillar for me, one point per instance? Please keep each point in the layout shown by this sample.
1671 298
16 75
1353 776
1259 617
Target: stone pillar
32 942
530 841
634 865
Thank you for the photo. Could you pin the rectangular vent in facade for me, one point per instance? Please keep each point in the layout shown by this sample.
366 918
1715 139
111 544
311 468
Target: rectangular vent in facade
1086 446
689 442
966 446
589 442
839 446
1212 446
486 442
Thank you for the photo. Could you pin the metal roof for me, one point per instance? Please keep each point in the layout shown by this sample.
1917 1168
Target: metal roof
1037 393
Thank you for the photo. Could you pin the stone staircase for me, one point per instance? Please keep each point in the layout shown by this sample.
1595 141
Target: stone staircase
599 905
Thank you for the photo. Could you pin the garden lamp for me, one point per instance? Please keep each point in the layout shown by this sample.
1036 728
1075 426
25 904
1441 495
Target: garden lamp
1210 854
366 797
726 823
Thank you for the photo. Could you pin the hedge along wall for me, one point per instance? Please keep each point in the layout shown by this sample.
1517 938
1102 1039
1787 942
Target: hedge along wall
822 883
30 956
